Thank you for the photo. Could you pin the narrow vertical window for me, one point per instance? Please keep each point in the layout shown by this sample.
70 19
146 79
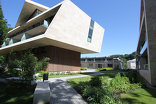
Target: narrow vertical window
90 33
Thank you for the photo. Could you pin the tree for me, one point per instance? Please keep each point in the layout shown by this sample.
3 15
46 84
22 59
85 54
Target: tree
3 27
30 64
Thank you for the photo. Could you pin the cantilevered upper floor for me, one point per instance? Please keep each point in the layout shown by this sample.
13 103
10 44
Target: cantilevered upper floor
63 25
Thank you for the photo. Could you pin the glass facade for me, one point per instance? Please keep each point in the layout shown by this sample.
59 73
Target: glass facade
25 36
35 13
144 46
91 28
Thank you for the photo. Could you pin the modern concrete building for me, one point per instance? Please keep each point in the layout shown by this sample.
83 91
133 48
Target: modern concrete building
101 62
61 32
146 50
131 64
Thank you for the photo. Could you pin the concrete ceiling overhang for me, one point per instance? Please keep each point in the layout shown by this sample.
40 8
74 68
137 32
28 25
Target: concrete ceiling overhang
28 8
40 41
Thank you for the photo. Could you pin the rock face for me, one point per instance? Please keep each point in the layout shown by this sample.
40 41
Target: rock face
42 93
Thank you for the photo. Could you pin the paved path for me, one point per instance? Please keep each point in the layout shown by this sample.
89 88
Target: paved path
63 93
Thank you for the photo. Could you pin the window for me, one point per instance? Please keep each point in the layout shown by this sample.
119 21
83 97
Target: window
99 65
90 33
35 13
110 65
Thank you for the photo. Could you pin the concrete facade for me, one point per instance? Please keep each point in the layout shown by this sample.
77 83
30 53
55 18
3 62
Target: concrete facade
70 32
101 62
146 57
67 29
131 64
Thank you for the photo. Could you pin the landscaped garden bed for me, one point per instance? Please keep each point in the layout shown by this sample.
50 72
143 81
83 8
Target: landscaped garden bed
110 88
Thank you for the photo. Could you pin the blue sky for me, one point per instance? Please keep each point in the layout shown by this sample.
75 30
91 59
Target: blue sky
120 18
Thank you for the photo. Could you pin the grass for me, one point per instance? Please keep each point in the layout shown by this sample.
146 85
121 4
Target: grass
76 81
64 75
140 96
16 93
103 69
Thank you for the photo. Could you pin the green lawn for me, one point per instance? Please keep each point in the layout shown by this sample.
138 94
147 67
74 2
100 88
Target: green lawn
64 75
16 93
76 81
140 96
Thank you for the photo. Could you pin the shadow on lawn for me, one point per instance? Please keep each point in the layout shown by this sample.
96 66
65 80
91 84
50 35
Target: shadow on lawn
131 101
16 93
136 98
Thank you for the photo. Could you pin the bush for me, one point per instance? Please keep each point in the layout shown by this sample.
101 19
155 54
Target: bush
122 84
97 95
29 64
15 73
93 94
42 64
103 69
96 81
84 68
42 73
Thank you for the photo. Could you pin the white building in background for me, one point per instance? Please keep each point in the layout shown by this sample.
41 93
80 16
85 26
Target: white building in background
131 64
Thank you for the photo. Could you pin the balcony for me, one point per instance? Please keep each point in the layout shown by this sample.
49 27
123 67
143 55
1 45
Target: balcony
32 31
143 48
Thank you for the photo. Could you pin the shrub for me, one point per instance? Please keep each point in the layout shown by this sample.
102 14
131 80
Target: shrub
103 69
122 84
84 68
42 64
97 95
43 72
29 64
93 94
96 81
15 72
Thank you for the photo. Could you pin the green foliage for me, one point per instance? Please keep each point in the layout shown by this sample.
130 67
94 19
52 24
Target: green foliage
103 89
96 81
15 72
93 94
42 64
27 62
84 68
104 69
99 95
43 72
3 63
122 84
3 27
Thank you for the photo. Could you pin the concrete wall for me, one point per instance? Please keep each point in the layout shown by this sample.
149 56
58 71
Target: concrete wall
71 26
150 6
149 9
